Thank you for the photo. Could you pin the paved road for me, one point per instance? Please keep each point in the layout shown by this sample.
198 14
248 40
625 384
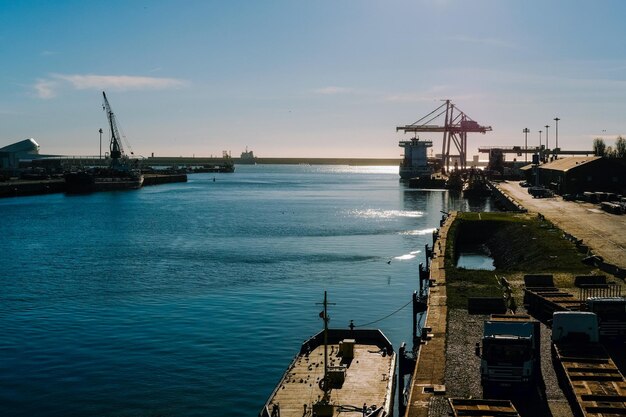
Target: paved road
603 232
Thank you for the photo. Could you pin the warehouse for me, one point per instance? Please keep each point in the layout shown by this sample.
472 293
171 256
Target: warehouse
10 155
577 174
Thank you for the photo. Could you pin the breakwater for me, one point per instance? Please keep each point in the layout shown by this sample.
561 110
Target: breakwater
212 161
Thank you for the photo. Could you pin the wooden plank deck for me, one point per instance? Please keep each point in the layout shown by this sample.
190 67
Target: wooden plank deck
596 383
367 382
482 408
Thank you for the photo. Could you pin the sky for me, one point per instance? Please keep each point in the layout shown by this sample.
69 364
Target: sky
324 78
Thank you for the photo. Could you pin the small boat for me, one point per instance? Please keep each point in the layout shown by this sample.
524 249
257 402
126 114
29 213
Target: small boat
338 372
476 186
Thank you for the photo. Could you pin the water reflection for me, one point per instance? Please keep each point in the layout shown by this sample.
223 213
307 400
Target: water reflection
446 200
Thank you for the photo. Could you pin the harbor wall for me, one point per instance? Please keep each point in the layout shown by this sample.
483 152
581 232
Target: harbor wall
505 201
20 188
428 376
31 187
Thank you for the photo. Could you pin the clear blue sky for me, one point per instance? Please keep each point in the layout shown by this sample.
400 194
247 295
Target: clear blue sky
307 78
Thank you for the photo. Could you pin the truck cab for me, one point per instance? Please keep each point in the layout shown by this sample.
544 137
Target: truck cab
510 351
575 327
611 312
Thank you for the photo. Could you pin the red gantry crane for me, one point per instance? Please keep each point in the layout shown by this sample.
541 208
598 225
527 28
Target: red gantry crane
455 129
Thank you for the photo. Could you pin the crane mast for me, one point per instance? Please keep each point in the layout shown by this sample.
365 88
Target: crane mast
115 146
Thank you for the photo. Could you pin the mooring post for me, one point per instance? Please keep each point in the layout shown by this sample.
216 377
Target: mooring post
414 314
401 373
421 276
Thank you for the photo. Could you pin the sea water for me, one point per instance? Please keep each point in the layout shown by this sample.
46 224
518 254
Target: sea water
190 299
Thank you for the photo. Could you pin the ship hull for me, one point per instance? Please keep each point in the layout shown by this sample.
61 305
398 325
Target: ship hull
408 172
86 182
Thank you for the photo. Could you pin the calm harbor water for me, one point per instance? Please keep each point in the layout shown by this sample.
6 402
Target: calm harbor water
191 299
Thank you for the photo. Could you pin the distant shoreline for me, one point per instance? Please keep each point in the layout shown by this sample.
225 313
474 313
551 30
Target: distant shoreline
204 160
324 161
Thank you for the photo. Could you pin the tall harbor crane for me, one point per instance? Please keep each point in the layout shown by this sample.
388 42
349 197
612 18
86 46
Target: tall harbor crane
115 147
455 128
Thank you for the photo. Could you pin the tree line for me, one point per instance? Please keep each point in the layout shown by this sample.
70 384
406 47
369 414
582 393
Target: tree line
601 149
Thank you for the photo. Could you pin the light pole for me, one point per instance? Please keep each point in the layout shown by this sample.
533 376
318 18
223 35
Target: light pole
547 146
540 153
556 119
100 142
526 130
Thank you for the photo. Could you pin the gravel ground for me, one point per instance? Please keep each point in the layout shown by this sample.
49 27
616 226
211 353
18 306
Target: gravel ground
462 374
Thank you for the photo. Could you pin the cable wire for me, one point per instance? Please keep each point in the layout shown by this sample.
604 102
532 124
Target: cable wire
387 316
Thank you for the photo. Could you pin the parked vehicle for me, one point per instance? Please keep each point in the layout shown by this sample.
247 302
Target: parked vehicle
595 384
510 356
542 299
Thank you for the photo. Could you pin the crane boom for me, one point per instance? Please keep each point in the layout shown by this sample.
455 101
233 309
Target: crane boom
115 146
455 128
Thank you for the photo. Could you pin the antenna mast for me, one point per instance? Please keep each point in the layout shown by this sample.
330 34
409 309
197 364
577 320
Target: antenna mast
325 383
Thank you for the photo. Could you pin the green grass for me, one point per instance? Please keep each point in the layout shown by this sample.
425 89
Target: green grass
519 243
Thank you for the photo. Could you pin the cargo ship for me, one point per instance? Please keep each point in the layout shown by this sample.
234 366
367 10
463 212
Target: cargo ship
338 372
119 175
247 158
415 161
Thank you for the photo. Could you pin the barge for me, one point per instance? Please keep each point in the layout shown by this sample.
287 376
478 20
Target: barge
119 175
338 372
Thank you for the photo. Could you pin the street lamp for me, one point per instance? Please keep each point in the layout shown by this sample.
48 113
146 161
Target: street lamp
547 146
556 119
540 153
526 130
100 142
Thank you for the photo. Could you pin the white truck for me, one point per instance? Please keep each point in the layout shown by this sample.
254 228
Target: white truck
510 356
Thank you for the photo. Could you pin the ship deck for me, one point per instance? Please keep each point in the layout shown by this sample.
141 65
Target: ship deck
368 380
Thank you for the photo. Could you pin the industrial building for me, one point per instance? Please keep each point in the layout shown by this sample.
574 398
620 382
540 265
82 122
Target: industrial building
578 174
10 155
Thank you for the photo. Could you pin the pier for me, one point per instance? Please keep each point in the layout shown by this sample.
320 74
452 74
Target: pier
446 366
429 373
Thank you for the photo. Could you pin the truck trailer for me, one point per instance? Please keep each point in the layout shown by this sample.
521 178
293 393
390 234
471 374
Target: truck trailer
542 299
595 385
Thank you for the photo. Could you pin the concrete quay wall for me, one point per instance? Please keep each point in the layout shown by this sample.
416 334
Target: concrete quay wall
428 376
21 188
